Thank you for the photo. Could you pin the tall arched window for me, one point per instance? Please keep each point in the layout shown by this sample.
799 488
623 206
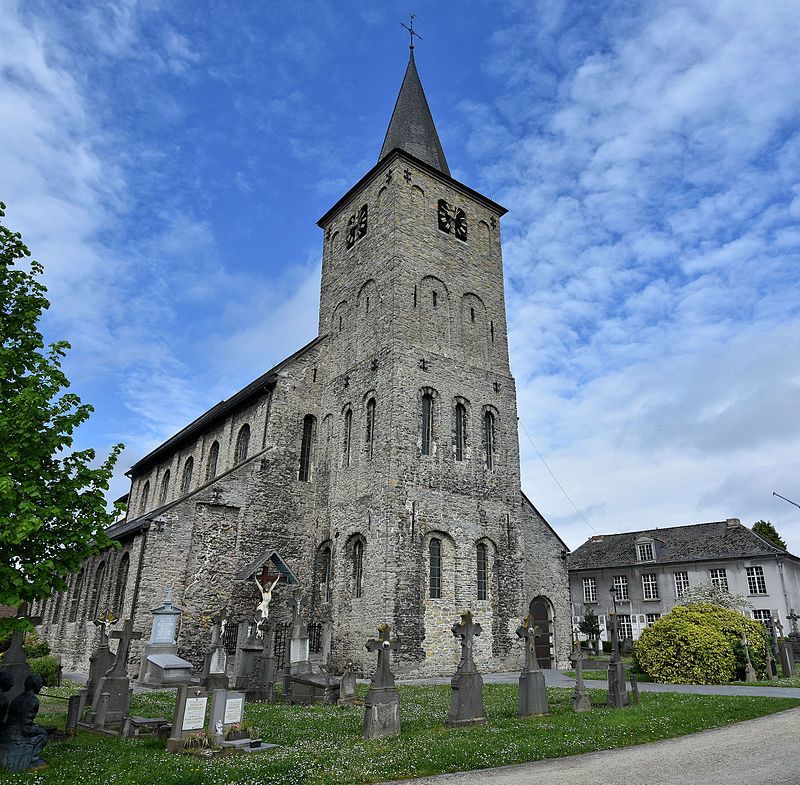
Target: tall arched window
188 470
75 600
309 421
358 568
162 499
427 423
348 433
326 589
242 443
211 465
483 570
435 569
461 431
370 426
57 608
145 498
97 591
122 582
488 436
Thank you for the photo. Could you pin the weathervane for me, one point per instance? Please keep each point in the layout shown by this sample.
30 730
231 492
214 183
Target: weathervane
411 31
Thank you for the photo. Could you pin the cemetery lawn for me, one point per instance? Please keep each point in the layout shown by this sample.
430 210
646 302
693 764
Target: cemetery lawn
322 745
602 675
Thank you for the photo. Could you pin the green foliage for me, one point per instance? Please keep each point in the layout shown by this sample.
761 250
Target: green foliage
590 625
700 644
34 646
766 530
47 667
710 594
52 503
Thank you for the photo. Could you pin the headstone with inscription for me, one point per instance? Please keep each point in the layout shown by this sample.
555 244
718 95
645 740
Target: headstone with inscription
191 706
532 692
466 702
382 704
161 665
214 675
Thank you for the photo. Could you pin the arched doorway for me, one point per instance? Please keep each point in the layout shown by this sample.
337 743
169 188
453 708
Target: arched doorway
541 611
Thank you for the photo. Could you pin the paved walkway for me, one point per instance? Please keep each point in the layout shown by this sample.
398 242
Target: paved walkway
755 752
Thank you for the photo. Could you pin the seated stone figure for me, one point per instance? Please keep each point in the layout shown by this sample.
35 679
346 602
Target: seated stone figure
21 740
6 683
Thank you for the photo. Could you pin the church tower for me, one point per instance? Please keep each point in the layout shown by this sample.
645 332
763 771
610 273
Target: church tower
421 444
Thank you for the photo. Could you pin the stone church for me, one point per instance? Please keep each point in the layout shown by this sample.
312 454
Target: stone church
381 460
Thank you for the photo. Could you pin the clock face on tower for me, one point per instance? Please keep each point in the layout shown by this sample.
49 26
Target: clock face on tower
452 220
356 226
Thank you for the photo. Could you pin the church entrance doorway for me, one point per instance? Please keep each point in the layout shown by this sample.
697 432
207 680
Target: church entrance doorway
541 611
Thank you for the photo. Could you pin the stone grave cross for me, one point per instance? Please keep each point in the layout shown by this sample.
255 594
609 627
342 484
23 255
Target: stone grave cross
528 632
749 671
466 629
793 617
15 660
125 636
384 646
580 698
219 621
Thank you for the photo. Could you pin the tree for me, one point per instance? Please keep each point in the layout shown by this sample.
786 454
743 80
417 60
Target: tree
766 530
709 593
590 624
52 504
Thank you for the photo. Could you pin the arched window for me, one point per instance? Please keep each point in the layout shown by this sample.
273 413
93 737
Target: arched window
348 433
75 600
370 426
483 570
358 568
188 470
461 431
97 591
326 589
242 443
164 488
488 436
211 465
57 607
427 423
145 497
435 569
306 455
122 583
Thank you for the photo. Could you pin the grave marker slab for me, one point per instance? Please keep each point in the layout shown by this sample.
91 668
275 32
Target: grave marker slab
214 675
532 691
347 685
191 704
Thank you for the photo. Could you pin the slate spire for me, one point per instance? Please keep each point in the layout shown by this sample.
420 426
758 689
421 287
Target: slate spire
411 127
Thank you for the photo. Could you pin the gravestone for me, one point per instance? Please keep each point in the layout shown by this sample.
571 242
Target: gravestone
617 691
794 635
299 663
227 710
102 660
262 684
75 707
382 704
191 705
749 670
21 739
785 656
580 698
112 699
347 685
15 660
308 688
250 650
160 663
634 688
772 672
532 692
214 676
466 702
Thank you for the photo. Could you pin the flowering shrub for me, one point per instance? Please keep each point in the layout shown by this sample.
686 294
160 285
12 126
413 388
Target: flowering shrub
700 644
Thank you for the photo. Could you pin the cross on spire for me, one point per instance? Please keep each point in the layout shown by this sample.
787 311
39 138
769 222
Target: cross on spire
411 31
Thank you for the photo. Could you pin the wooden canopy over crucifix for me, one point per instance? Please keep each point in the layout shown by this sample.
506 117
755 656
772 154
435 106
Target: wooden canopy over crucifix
266 571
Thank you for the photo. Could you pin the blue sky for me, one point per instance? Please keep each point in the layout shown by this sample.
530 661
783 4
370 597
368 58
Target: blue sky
167 163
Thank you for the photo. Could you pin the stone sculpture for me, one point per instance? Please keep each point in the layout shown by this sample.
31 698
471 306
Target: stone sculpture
466 704
532 691
21 740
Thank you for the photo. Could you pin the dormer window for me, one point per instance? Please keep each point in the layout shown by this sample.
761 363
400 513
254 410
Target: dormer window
644 551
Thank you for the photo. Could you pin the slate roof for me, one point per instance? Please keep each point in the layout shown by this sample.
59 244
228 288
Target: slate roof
218 412
712 541
411 127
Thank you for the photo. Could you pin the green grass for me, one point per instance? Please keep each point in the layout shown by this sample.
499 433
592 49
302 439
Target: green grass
602 675
779 682
323 744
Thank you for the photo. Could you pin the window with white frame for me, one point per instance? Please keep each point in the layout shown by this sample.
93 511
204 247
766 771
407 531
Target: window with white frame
650 586
644 551
764 615
589 590
624 625
652 618
755 580
681 583
719 578
621 587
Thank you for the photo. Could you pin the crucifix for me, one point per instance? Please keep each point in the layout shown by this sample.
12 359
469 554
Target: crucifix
124 636
793 617
105 620
528 632
384 645
266 594
411 31
466 629
220 621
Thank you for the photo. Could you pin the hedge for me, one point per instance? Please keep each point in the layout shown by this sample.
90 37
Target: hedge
46 667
